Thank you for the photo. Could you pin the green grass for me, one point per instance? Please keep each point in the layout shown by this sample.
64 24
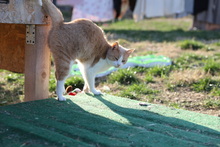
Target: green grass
195 45
52 84
124 77
216 91
189 61
123 42
153 25
11 87
206 85
173 87
75 82
135 91
212 67
191 44
139 69
212 104
149 78
217 43
157 30
175 105
13 77
158 71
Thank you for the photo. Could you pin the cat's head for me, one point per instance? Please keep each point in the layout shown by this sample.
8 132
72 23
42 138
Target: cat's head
117 55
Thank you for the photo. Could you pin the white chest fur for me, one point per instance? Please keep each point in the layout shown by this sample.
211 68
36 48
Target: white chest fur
100 66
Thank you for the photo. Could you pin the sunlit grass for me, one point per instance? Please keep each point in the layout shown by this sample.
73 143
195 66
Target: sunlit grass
195 67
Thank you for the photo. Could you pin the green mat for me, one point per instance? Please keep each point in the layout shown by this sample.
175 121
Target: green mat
141 61
85 120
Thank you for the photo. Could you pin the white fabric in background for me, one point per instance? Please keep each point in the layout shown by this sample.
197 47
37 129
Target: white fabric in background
188 8
189 4
172 7
95 10
139 11
154 8
157 8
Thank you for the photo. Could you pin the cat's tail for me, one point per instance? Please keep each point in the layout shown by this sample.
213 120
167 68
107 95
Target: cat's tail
53 12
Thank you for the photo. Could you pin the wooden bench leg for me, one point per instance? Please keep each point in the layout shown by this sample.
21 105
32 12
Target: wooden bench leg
37 66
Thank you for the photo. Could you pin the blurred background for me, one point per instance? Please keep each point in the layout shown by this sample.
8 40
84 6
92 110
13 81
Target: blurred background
205 13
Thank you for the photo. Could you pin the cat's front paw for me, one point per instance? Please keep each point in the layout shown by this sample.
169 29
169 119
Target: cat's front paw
61 99
86 90
96 92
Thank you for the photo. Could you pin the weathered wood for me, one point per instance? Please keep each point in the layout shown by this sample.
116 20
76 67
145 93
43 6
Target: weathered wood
12 47
22 12
16 55
203 25
37 66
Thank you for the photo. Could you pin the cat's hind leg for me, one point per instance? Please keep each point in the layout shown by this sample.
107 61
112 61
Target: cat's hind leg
85 87
62 73
60 89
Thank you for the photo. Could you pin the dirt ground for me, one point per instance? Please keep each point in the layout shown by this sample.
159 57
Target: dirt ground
183 97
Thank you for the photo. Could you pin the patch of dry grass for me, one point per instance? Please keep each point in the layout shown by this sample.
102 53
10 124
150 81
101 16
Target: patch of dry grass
186 76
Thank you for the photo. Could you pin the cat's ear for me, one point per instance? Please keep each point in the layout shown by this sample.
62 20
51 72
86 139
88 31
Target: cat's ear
115 45
129 51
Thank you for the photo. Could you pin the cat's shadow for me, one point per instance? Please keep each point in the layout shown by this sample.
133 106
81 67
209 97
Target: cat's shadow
141 123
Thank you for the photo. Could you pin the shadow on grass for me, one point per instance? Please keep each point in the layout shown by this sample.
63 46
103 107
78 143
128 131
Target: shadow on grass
168 36
96 121
9 96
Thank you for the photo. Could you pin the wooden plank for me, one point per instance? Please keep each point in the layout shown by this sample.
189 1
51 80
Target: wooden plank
22 12
12 49
37 66
202 25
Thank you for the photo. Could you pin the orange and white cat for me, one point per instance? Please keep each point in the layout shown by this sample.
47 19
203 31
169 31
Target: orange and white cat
82 41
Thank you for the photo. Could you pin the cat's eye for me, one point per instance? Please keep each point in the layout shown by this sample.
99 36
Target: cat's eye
123 61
